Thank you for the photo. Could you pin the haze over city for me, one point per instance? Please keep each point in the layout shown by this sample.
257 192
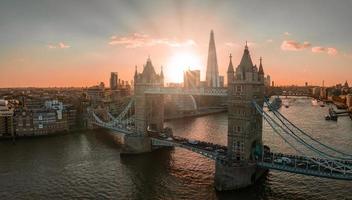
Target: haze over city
78 43
175 99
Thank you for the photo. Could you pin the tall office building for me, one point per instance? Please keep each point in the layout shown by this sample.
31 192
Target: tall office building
267 81
212 75
113 81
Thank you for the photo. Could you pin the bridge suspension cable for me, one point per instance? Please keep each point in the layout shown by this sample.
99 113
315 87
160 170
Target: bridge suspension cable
329 164
284 121
302 141
126 112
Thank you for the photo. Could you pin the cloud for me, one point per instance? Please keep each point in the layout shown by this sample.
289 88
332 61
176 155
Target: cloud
332 51
60 45
287 33
142 40
318 49
291 45
329 50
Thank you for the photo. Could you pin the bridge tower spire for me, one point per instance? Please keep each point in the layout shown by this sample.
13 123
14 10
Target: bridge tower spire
244 127
230 72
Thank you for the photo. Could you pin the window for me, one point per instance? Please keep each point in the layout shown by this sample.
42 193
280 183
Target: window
239 88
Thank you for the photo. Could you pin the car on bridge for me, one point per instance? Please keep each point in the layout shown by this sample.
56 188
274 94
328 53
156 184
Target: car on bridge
209 148
283 160
193 142
220 150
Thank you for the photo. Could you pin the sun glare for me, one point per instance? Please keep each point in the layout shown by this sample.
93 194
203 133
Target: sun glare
180 62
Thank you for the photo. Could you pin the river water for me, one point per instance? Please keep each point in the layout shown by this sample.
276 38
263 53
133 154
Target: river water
88 165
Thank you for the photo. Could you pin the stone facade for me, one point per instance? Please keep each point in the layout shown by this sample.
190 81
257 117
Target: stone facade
149 109
244 123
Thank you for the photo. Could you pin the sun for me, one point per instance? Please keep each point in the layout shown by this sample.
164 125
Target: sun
178 63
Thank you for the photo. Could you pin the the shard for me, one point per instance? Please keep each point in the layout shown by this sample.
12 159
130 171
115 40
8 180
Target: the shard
212 76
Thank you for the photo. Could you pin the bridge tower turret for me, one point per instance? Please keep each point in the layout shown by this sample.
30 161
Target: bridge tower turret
244 127
230 72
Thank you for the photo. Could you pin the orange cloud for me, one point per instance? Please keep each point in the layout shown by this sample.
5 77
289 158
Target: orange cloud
60 45
332 51
329 50
318 49
291 45
142 40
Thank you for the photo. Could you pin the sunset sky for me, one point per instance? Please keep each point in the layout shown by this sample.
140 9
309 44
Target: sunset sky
79 42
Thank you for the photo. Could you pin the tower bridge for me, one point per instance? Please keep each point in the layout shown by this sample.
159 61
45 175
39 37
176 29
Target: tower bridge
245 158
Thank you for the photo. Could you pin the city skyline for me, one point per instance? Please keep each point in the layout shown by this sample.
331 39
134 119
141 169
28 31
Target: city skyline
58 44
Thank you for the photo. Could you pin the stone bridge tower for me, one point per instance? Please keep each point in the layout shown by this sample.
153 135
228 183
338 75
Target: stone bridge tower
244 125
149 109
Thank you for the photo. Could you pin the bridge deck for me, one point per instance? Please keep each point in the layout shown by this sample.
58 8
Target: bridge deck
119 129
209 150
303 165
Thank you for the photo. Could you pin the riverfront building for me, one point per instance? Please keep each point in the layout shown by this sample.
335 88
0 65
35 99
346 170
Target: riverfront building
6 119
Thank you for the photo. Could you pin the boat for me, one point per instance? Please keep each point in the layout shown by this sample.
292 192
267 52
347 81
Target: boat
331 117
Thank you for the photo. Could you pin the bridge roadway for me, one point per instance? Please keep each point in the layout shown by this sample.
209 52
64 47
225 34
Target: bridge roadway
185 91
277 161
304 165
207 149
121 129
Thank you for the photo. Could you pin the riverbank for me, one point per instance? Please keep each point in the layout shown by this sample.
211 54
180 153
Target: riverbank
42 135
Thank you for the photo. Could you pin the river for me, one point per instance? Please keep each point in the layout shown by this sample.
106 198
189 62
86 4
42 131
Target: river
88 165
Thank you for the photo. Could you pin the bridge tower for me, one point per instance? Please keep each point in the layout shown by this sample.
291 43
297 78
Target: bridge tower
244 126
149 109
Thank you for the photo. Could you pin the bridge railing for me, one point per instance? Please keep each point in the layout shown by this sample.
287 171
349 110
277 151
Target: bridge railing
302 165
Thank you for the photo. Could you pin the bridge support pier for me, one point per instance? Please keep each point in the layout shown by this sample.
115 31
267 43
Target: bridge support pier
232 178
136 144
